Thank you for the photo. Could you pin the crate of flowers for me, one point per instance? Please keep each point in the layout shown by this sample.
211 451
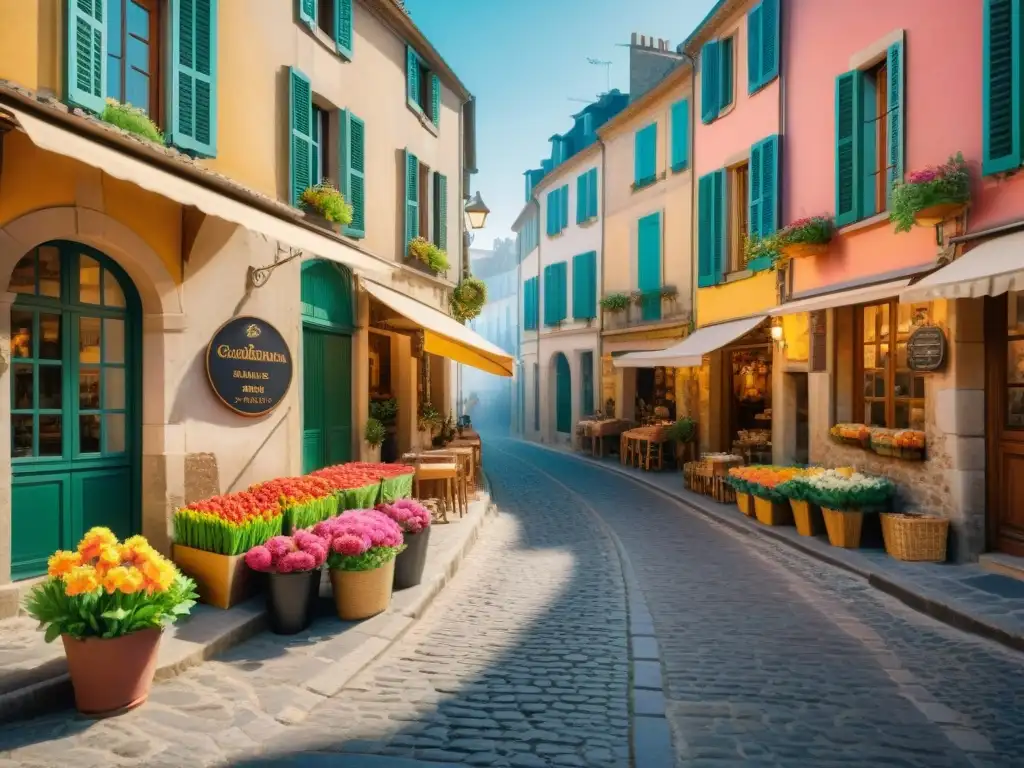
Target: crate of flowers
760 482
304 501
844 496
361 485
851 434
909 444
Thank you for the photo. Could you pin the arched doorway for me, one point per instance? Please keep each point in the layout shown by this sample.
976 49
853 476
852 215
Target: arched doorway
76 362
563 395
327 327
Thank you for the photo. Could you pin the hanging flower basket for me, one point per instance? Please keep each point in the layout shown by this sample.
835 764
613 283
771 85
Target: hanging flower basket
930 196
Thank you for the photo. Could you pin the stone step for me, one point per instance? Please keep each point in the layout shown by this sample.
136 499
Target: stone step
1004 565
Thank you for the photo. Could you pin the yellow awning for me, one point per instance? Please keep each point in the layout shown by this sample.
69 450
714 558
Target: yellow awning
61 141
444 336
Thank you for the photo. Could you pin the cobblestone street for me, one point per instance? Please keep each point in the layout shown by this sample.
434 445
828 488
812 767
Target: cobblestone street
769 659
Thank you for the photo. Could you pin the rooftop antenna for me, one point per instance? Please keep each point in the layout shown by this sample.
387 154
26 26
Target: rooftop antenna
607 71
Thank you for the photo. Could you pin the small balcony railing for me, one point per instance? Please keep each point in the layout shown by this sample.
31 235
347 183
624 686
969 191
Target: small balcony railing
658 307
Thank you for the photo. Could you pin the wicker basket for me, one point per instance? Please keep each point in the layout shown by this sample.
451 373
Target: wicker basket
915 538
772 512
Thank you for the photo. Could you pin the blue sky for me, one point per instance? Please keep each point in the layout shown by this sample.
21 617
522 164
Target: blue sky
524 60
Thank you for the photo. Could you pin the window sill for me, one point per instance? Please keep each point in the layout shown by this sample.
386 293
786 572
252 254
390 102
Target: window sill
737 276
637 186
680 168
587 222
326 41
871 222
425 121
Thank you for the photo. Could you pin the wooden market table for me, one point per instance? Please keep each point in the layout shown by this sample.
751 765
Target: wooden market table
644 446
595 431
708 475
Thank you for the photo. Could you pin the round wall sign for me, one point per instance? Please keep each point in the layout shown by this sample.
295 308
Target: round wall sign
249 366
926 349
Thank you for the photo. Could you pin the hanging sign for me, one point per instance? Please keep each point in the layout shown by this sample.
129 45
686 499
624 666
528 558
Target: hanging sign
249 366
926 349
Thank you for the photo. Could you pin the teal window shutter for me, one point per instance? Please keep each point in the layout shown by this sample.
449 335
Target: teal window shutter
530 304
307 12
582 190
764 187
343 27
709 85
719 236
352 151
587 379
300 155
564 208
769 41
584 286
435 99
563 289
649 265
895 68
592 193
1003 61
193 88
441 211
680 135
549 297
552 215
85 54
412 77
705 223
849 87
754 186
412 197
645 157
754 48
725 73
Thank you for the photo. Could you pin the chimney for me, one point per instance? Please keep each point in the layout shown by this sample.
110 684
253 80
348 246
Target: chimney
650 59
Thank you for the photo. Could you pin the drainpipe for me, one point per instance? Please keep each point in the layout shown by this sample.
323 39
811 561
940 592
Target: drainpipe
540 242
693 187
600 322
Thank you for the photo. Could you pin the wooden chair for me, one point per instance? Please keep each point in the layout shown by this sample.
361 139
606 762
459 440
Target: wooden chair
464 458
653 455
441 474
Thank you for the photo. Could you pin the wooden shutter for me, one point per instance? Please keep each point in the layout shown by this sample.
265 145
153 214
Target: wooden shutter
849 88
300 154
343 27
592 193
564 208
584 286
412 77
85 54
754 186
552 214
705 224
709 81
680 135
307 12
649 264
435 99
769 186
441 211
1003 60
769 41
645 155
754 48
819 341
412 197
581 197
894 104
352 151
720 206
193 90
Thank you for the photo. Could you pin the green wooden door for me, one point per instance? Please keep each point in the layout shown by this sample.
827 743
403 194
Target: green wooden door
76 352
563 395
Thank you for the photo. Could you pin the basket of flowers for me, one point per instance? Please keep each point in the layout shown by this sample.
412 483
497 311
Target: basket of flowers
858 435
807 237
844 496
930 196
292 564
909 444
744 500
760 482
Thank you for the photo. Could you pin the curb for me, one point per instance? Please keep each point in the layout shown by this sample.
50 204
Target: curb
373 637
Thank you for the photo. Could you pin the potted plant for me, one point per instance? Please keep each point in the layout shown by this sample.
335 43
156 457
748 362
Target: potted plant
292 564
363 545
468 299
386 412
844 496
807 237
806 513
109 602
361 484
414 520
325 205
429 254
430 418
374 435
304 501
682 433
744 499
212 536
930 196
760 253
131 119
615 303
770 506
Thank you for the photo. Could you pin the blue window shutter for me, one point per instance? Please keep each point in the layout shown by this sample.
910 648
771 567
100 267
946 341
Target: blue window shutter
412 198
435 99
584 286
725 73
769 186
343 27
193 88
565 206
895 67
756 190
848 147
705 222
680 135
769 41
719 235
645 158
549 298
754 48
649 264
592 194
85 54
352 151
551 215
1003 62
307 12
412 77
529 304
300 155
709 81
581 198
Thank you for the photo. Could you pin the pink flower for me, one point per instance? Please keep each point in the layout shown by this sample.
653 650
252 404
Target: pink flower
279 546
350 545
296 561
411 516
259 559
925 176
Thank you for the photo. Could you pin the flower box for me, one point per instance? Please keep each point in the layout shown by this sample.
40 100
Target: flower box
804 250
936 214
844 528
772 512
930 196
745 502
222 581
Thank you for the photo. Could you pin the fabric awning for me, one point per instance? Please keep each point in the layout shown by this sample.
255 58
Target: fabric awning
992 268
689 352
444 336
54 138
842 298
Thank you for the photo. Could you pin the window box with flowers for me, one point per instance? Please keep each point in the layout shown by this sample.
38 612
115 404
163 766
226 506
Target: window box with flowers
325 206
930 196
807 237
428 254
761 253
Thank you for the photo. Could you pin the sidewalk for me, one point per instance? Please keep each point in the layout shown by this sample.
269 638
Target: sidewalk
34 680
964 596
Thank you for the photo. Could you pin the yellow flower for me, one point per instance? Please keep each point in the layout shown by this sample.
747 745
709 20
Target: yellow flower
109 557
81 580
61 562
124 579
94 541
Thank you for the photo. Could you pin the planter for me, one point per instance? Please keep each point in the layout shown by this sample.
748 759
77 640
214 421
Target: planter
112 676
289 600
843 527
373 453
936 214
221 580
362 594
805 515
315 217
746 503
915 538
411 560
804 250
772 512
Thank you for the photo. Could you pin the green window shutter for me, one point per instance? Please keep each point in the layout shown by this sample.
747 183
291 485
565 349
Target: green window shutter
894 105
85 54
645 155
1003 60
412 197
587 378
412 77
352 151
530 304
307 12
680 135
649 265
584 286
768 151
343 27
565 206
441 211
551 214
769 41
754 48
563 290
725 73
709 85
193 87
705 246
720 206
592 193
755 188
435 99
848 147
549 297
581 198
300 155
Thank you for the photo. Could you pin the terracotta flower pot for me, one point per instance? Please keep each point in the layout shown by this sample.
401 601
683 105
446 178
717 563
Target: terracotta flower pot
112 676
804 515
772 512
410 561
362 594
843 528
746 503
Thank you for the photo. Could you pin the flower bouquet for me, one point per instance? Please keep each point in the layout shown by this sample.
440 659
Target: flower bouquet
109 602
930 196
414 520
807 237
362 547
304 501
293 566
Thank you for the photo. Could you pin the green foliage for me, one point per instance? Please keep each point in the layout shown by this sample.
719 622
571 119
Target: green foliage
309 513
760 247
468 299
615 302
384 411
368 561
948 183
430 418
796 489
223 537
375 432
426 252
812 230
326 200
683 430
98 614
131 119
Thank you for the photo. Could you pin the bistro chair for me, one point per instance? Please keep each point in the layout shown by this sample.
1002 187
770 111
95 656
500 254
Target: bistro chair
440 473
464 458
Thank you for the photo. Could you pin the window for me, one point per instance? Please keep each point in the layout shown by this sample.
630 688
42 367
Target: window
555 290
423 87
763 186
325 17
441 211
739 219
888 392
716 78
320 141
1001 87
645 156
584 286
133 54
725 52
762 44
424 201
557 213
333 18
680 135
530 306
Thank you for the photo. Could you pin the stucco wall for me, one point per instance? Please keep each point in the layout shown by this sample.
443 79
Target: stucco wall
736 299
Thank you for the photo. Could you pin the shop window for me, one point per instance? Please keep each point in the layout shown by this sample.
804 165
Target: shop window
133 54
739 215
889 393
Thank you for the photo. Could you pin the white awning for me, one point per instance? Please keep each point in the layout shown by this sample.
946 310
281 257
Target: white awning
992 268
842 298
691 350
54 138
444 336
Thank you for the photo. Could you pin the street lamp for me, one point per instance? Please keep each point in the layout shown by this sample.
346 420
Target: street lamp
476 212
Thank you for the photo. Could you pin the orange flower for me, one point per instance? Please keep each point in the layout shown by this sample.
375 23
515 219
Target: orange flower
124 579
109 557
94 541
61 562
81 580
